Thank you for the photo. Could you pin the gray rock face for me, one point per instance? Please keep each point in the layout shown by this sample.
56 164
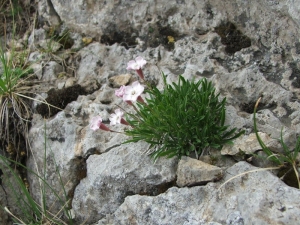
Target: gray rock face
116 174
248 49
253 198
249 144
192 172
69 142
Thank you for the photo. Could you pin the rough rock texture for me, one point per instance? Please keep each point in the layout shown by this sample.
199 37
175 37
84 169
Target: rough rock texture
248 49
248 144
116 174
192 172
254 198
69 143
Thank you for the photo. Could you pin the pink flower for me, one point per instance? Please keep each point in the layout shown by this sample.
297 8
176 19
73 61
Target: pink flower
96 123
120 92
133 92
137 65
117 118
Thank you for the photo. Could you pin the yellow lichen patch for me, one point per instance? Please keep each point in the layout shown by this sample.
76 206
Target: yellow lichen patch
171 39
87 40
62 75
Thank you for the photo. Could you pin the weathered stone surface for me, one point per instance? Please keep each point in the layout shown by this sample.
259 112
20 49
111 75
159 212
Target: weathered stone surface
36 36
70 82
69 142
121 172
106 17
49 71
50 45
253 198
119 80
196 40
191 172
249 144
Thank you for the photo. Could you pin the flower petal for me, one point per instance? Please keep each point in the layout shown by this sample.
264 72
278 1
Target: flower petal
120 92
95 123
140 61
115 118
133 92
138 88
132 65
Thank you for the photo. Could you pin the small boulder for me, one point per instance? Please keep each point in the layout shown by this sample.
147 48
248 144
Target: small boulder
191 172
118 81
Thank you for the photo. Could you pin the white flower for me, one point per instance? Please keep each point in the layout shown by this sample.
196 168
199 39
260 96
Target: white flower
136 64
115 118
133 92
96 123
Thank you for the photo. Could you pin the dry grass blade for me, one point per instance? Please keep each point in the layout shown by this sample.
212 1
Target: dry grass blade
10 213
251 171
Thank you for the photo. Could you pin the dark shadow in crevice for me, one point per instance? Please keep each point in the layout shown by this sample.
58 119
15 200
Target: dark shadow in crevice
249 107
232 38
59 98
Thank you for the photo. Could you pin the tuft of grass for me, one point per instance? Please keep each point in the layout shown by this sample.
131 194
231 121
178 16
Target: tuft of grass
15 97
286 159
15 109
184 118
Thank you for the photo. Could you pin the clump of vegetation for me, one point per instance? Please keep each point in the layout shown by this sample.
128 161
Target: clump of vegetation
15 109
184 118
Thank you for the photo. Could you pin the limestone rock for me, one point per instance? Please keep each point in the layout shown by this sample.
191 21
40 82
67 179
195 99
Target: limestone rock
69 143
243 200
249 144
50 71
188 38
50 45
70 82
191 172
119 80
121 172
36 36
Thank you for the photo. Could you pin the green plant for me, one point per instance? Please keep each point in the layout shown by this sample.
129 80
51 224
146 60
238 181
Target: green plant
15 96
15 110
30 211
286 159
184 118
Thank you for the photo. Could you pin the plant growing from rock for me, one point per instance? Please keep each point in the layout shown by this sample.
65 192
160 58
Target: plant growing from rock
184 118
15 110
288 159
15 97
